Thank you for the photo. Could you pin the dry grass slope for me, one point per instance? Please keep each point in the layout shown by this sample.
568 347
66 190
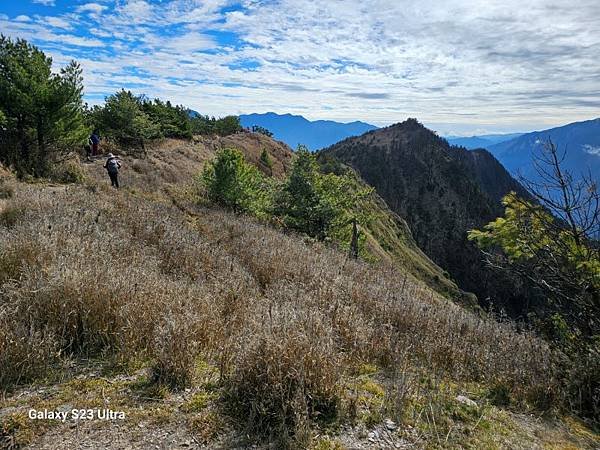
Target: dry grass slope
288 325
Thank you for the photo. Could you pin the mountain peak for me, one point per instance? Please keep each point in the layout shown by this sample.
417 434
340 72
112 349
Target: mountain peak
440 190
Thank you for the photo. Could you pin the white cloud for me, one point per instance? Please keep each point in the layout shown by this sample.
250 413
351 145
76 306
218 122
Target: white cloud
57 22
135 11
23 18
591 149
92 8
493 64
45 2
189 42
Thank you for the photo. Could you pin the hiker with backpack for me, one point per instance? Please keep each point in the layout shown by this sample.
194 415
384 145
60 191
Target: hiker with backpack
112 166
94 142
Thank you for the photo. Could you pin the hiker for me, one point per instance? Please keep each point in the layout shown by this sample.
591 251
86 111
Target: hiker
94 141
112 166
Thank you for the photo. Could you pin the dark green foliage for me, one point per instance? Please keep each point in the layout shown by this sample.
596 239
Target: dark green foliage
441 192
261 130
235 184
173 121
209 125
323 206
41 111
227 125
320 205
300 203
123 118
134 119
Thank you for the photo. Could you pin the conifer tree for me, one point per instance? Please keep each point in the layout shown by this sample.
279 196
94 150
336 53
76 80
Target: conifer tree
43 111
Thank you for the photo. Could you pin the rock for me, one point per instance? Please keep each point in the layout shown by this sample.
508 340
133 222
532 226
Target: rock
390 425
466 401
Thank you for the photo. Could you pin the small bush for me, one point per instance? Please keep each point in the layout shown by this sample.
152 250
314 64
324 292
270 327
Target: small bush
284 381
235 184
6 190
10 215
68 172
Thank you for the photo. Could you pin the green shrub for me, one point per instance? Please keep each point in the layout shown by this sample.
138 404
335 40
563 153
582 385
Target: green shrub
265 159
68 172
261 130
320 205
122 117
236 185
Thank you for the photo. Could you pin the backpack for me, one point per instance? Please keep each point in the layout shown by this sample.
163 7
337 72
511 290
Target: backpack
112 165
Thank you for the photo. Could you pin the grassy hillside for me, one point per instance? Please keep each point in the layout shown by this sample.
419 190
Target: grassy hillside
170 165
208 328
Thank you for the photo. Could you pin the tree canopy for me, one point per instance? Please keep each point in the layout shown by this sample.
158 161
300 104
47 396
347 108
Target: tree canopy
41 111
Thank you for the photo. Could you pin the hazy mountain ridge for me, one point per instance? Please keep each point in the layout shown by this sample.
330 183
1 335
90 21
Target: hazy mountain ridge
482 141
580 139
295 130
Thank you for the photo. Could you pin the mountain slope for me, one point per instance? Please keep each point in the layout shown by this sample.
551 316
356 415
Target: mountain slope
171 163
295 130
441 191
490 175
580 139
107 297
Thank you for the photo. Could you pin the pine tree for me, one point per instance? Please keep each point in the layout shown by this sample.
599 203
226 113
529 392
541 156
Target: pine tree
42 110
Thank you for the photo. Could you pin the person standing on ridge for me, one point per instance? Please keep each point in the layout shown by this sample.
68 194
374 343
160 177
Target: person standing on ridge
112 166
95 142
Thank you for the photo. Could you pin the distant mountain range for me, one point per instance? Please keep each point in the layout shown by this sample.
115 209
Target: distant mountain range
581 140
483 141
514 150
295 130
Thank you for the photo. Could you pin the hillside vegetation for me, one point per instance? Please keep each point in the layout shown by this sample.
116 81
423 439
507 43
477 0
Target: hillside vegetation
442 192
274 337
170 165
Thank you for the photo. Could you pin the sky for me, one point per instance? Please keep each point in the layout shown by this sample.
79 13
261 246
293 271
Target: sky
461 67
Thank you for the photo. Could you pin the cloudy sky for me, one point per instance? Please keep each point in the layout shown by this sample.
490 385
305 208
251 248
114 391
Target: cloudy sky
460 66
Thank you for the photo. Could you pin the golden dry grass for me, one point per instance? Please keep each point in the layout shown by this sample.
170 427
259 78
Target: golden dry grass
87 272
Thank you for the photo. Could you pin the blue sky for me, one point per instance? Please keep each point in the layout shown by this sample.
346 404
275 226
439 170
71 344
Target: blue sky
460 66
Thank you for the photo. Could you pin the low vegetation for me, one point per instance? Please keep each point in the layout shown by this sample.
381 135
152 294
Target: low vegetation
285 324
320 205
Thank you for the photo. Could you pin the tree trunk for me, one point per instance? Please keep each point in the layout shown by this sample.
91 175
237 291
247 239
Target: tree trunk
354 241
41 156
